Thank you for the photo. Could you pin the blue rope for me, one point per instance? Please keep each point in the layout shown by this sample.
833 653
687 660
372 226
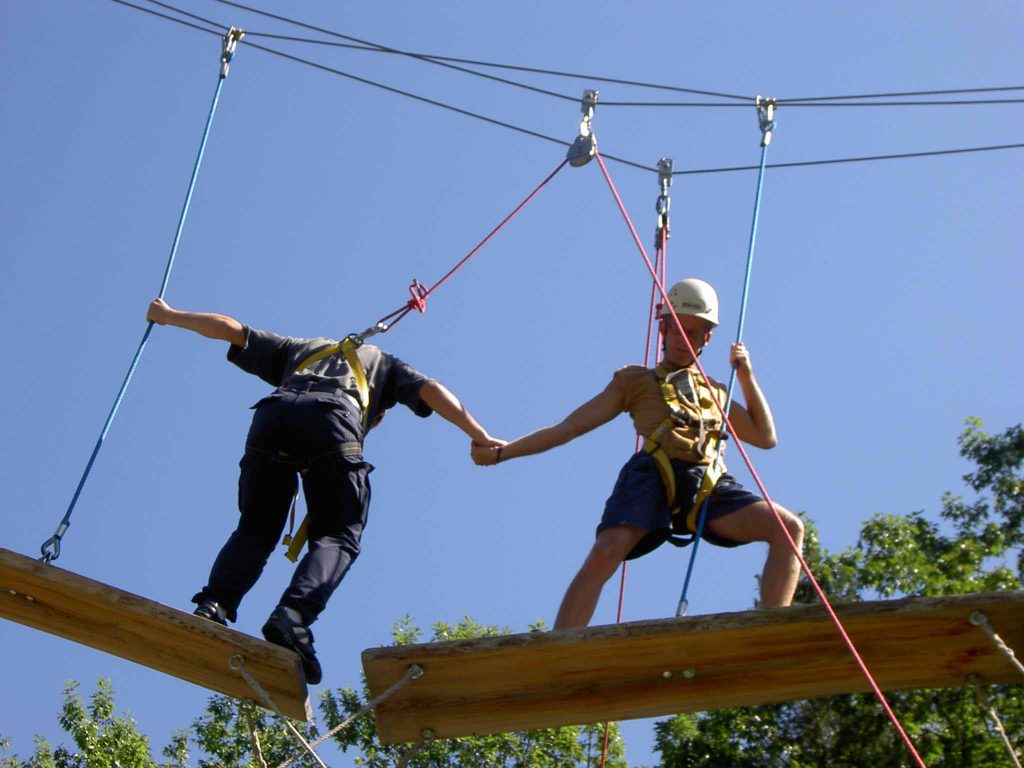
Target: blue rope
683 604
51 547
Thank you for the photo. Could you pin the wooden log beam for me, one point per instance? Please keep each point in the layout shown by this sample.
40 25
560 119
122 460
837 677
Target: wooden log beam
62 603
652 668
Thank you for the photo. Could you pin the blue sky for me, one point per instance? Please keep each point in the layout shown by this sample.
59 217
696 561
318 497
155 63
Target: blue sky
884 306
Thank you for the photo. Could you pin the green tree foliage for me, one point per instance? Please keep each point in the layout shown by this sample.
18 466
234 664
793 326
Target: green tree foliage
967 550
223 733
568 747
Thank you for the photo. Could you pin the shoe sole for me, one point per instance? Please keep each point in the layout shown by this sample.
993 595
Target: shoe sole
273 633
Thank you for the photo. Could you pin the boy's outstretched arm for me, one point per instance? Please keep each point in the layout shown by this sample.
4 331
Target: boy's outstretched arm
208 324
753 424
592 414
447 405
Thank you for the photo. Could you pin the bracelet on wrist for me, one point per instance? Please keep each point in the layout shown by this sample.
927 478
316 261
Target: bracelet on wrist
497 455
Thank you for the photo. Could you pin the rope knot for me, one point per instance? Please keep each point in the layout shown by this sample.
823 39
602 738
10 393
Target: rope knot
419 296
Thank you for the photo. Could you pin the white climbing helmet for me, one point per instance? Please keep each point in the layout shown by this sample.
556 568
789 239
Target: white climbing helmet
692 297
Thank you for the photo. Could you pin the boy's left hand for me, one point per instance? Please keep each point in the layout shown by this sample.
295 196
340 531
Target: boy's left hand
739 356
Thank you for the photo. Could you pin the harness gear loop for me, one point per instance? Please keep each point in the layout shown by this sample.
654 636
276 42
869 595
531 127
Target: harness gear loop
663 203
419 295
766 117
582 150
230 39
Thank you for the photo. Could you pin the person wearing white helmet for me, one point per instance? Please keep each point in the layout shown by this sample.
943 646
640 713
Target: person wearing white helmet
661 488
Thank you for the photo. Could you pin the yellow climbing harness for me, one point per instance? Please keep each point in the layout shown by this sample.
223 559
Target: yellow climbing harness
346 347
709 436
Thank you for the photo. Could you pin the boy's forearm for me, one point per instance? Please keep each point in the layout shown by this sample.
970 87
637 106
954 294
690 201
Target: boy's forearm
447 406
210 325
536 442
757 407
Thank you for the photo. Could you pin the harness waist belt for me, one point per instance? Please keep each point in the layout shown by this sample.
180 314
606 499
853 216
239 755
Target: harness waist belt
329 389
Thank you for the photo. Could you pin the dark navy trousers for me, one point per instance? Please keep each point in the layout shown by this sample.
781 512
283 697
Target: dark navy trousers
316 434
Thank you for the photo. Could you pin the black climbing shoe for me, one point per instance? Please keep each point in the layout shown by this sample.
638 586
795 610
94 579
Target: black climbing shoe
285 628
212 611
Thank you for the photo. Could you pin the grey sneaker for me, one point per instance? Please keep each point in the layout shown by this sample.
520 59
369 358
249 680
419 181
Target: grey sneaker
285 628
211 611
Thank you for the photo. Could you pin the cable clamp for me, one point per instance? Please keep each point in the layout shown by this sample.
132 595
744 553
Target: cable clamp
766 117
583 148
231 38
419 297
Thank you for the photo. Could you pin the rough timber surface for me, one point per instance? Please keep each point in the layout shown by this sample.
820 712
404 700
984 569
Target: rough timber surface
653 668
62 603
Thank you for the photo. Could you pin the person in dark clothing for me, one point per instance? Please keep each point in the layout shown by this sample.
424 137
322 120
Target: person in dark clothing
327 396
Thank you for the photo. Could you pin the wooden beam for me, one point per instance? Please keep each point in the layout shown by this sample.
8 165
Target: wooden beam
652 668
62 603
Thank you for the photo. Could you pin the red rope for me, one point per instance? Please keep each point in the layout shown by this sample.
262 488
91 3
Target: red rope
420 294
764 492
659 260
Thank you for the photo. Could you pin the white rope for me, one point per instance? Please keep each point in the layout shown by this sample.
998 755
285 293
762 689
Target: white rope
237 662
990 710
426 736
254 737
413 672
979 619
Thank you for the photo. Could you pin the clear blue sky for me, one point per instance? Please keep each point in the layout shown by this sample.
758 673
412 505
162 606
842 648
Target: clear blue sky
884 309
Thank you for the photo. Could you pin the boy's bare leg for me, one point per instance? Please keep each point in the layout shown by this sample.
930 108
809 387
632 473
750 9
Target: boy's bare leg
782 568
608 552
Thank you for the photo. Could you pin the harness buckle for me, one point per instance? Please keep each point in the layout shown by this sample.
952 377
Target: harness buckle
584 147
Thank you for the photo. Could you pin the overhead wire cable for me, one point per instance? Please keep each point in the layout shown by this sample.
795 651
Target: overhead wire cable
374 46
368 45
390 89
176 20
435 58
861 159
764 491
554 140
947 91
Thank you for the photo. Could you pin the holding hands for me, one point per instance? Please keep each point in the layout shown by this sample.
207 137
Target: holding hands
487 455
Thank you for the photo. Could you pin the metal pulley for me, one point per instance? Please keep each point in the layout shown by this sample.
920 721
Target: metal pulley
583 148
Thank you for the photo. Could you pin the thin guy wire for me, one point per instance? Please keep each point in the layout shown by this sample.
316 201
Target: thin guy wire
50 549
